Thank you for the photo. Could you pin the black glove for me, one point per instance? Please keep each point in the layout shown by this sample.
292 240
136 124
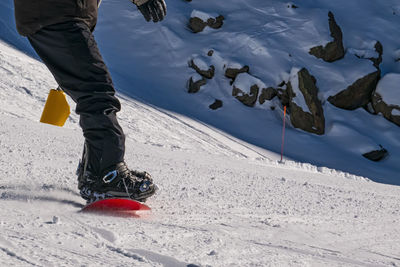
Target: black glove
152 9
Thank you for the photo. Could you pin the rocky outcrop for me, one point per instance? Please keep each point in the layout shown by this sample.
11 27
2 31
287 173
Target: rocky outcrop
216 23
267 94
358 94
247 99
194 86
208 74
232 73
378 60
216 105
197 25
283 96
390 112
386 99
333 50
376 155
311 120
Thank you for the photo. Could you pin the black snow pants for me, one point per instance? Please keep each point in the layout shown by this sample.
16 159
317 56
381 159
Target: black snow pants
71 54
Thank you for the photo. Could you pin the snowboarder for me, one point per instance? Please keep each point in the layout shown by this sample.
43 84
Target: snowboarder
60 31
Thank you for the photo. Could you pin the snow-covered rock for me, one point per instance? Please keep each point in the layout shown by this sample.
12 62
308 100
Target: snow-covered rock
267 94
232 72
371 50
246 88
333 50
202 68
376 155
306 110
199 20
386 99
194 84
357 95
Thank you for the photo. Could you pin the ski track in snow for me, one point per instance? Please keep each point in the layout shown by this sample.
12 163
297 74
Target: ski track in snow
222 202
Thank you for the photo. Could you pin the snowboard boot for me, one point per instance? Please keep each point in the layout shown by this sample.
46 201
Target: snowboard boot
116 182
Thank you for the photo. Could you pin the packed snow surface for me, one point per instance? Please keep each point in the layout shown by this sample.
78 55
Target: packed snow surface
225 199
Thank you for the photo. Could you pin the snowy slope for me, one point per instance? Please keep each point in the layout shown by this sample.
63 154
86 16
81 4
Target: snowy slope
150 62
223 202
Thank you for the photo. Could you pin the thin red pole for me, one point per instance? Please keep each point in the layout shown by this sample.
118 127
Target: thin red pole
283 132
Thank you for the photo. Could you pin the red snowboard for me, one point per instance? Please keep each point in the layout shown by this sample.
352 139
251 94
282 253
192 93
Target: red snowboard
118 207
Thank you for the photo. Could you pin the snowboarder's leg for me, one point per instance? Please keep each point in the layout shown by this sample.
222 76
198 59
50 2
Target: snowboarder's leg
70 52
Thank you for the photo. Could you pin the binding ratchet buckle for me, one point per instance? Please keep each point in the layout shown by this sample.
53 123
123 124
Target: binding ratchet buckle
109 177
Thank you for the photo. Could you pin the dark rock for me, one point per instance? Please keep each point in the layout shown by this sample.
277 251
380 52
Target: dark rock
313 79
197 24
216 105
216 23
376 155
283 96
333 50
313 122
194 86
358 94
379 49
210 53
232 73
267 94
209 74
247 99
380 106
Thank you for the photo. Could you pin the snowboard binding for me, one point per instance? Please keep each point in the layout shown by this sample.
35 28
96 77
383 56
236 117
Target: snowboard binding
116 182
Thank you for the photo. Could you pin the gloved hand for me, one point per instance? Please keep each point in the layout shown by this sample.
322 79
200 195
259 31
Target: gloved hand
152 9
